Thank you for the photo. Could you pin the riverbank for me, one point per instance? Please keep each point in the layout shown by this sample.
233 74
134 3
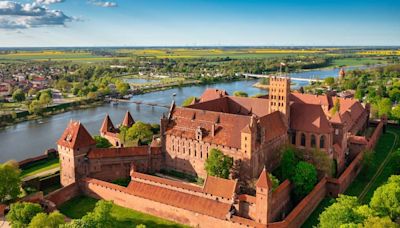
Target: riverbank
9 120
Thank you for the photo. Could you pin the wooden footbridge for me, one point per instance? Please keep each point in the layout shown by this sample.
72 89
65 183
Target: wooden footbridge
138 102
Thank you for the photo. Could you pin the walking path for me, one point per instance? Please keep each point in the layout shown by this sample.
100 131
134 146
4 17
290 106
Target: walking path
42 174
381 167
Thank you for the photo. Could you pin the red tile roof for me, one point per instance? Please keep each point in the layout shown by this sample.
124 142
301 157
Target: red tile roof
311 99
274 125
228 127
213 185
358 140
264 181
211 94
107 125
76 136
118 152
220 187
128 120
247 198
178 199
309 118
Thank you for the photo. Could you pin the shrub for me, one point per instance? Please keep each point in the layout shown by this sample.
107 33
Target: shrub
218 164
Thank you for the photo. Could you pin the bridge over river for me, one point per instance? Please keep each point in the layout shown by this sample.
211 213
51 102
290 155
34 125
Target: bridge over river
292 78
138 102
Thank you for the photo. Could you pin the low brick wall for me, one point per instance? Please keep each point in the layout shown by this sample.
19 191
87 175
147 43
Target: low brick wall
48 154
64 194
120 196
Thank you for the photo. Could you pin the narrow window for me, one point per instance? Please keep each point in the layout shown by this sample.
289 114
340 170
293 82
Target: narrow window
303 139
322 142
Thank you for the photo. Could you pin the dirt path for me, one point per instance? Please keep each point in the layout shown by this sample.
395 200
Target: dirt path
381 167
41 174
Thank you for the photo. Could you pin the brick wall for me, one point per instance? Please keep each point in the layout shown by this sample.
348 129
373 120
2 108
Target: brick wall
120 196
64 194
281 203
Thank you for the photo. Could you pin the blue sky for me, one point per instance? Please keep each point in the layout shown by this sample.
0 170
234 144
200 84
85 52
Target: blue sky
198 22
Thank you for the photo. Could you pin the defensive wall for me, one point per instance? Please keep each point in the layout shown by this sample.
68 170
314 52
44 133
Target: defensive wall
327 187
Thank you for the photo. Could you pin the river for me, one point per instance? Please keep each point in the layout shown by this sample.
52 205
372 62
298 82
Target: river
31 138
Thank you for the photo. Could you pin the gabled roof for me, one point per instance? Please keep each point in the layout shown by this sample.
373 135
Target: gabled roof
128 120
76 136
211 94
264 181
220 187
309 118
107 125
311 99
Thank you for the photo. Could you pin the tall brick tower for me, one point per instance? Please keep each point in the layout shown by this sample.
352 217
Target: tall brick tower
73 145
279 95
263 197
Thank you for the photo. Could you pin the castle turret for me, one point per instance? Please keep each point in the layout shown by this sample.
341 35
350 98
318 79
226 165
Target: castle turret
263 197
73 146
128 120
107 125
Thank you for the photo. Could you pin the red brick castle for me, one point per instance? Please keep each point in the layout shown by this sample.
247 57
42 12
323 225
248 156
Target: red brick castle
250 130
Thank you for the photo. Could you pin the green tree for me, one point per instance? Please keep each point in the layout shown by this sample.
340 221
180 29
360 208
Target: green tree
386 198
18 95
394 94
288 163
380 222
21 213
396 113
336 107
140 131
45 99
92 95
304 179
323 162
240 94
122 87
343 211
274 180
217 164
43 220
188 101
100 217
329 81
102 142
10 180
384 107
35 107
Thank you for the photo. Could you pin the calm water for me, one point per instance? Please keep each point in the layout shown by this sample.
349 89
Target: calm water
31 138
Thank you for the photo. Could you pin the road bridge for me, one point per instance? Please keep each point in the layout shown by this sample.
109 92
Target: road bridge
291 78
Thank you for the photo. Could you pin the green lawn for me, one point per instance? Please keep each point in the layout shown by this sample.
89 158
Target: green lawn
124 217
40 166
356 61
382 150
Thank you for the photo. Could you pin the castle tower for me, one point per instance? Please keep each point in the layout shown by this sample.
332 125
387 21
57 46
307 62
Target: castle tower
128 120
279 95
263 197
107 126
73 145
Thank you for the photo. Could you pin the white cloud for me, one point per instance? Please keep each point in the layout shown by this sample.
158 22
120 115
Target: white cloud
106 4
14 15
48 2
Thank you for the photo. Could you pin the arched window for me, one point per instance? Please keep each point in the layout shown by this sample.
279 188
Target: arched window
294 138
313 141
322 142
303 139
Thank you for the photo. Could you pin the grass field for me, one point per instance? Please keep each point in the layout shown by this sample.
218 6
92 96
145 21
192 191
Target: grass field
382 149
41 166
80 206
356 61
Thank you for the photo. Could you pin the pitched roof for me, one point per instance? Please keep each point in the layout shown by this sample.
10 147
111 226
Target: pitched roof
211 94
309 118
274 125
213 185
185 122
128 120
76 136
118 152
220 187
107 125
264 181
202 205
311 99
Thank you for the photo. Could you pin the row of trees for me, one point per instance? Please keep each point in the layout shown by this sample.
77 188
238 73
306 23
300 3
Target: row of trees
382 211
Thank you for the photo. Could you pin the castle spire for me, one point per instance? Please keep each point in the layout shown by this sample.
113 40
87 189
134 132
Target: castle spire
264 181
107 125
128 120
